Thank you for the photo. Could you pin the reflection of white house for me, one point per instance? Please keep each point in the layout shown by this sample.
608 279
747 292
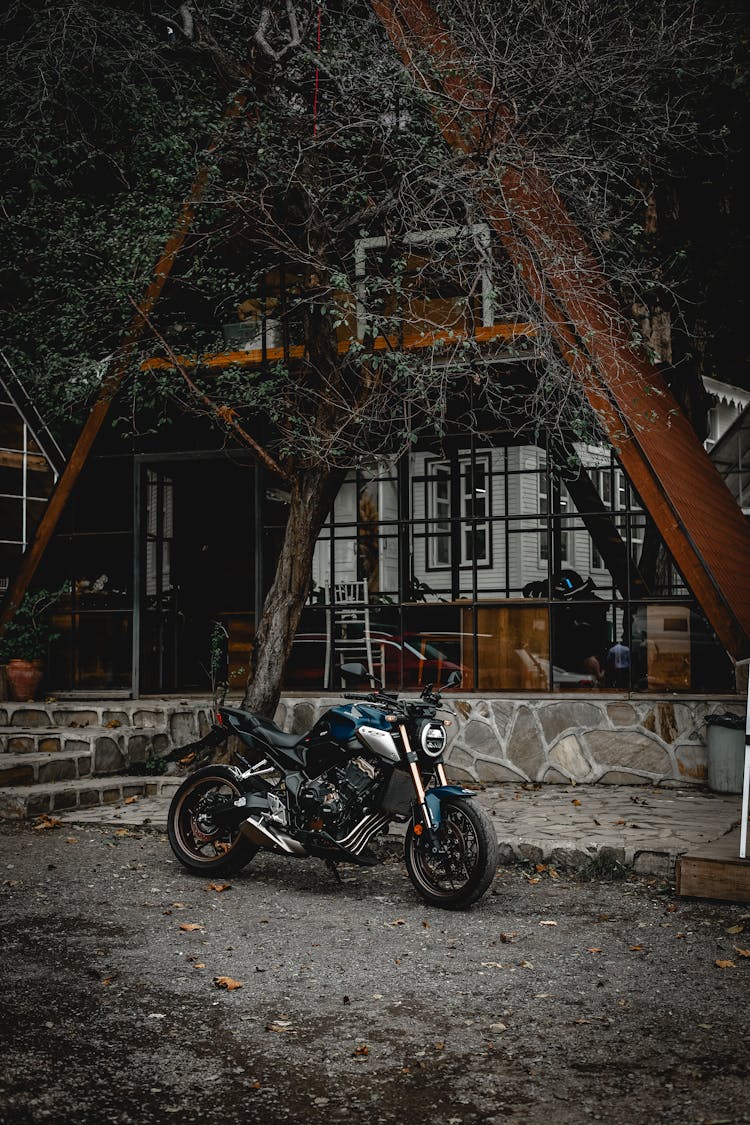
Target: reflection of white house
728 442
30 460
728 403
486 515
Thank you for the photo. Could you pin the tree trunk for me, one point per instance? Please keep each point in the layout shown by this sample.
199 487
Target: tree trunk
312 494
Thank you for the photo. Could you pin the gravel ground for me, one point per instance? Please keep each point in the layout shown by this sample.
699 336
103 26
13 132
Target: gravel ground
359 1003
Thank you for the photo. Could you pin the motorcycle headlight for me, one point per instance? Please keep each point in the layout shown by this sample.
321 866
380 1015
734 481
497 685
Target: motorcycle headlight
433 739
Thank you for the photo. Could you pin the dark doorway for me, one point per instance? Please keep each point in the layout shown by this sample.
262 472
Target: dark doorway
197 567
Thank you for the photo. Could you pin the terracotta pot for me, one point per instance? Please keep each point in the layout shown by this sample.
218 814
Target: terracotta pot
24 677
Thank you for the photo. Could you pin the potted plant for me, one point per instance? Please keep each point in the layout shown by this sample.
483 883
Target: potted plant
25 643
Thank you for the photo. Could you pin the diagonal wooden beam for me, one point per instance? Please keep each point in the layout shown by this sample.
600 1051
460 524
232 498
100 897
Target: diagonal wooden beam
694 511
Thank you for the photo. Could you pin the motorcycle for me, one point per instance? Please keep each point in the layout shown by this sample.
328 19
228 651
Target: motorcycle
364 765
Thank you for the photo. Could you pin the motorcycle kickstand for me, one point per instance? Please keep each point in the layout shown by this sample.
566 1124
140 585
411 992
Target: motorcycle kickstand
331 865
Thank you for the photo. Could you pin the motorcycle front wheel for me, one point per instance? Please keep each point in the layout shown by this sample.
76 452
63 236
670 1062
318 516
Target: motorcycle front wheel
461 870
196 839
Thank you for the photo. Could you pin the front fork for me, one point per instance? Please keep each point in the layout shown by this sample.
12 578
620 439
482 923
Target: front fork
428 820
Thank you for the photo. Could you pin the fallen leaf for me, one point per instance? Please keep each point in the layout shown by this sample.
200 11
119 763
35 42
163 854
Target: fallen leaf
108 980
71 839
734 930
440 1046
553 872
190 926
725 964
229 983
279 1025
532 878
178 905
125 832
199 965
218 887
187 759
741 952
113 724
540 867
362 1051
636 948
593 949
254 1085
525 965
131 800
576 802
619 822
498 1027
491 965
507 938
397 922
46 821
548 923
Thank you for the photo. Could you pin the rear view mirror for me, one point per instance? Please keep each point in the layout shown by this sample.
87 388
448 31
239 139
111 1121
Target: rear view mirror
354 671
454 679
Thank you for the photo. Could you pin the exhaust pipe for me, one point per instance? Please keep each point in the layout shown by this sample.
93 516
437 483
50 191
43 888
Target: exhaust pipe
261 833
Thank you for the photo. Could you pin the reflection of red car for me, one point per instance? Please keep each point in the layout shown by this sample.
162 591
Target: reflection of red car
423 663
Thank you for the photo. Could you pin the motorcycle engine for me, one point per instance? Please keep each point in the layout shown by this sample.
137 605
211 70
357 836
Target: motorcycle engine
328 802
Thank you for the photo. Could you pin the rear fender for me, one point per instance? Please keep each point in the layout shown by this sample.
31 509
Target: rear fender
435 797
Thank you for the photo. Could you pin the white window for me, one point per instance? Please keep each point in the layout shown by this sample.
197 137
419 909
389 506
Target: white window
612 488
474 502
544 509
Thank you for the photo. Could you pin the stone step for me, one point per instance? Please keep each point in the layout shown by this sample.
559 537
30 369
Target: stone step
32 769
21 801
109 750
183 721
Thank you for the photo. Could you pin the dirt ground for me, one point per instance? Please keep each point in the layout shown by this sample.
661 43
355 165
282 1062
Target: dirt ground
586 1001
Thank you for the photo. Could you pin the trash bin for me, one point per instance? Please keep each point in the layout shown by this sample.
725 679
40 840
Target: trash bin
726 752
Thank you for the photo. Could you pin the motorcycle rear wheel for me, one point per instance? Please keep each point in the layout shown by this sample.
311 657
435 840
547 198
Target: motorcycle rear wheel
199 844
461 872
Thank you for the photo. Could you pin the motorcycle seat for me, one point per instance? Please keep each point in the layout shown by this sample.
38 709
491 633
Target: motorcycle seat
252 724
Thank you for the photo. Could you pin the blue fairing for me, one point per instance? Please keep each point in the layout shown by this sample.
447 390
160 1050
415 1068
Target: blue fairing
343 721
433 797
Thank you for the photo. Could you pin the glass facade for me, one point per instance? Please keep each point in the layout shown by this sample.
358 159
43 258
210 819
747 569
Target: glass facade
486 559
496 562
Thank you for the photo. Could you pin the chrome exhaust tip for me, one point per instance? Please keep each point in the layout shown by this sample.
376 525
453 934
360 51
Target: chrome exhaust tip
261 833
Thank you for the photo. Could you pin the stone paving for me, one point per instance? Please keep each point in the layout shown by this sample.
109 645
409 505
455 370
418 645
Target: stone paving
595 827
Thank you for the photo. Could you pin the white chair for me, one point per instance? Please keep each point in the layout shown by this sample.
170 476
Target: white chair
348 632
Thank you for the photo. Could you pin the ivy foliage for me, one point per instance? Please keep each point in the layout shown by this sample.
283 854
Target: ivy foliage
106 125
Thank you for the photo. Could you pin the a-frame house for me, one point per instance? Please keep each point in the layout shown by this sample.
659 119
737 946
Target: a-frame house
678 487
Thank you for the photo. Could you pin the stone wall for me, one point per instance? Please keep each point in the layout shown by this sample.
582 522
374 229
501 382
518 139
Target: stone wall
581 739
587 740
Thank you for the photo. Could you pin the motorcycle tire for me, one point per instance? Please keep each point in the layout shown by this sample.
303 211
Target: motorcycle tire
198 843
462 871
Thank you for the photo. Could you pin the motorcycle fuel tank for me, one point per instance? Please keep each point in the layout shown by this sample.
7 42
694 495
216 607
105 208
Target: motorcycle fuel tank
343 721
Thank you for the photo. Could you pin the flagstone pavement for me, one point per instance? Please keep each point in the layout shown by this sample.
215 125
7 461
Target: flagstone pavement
597 827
